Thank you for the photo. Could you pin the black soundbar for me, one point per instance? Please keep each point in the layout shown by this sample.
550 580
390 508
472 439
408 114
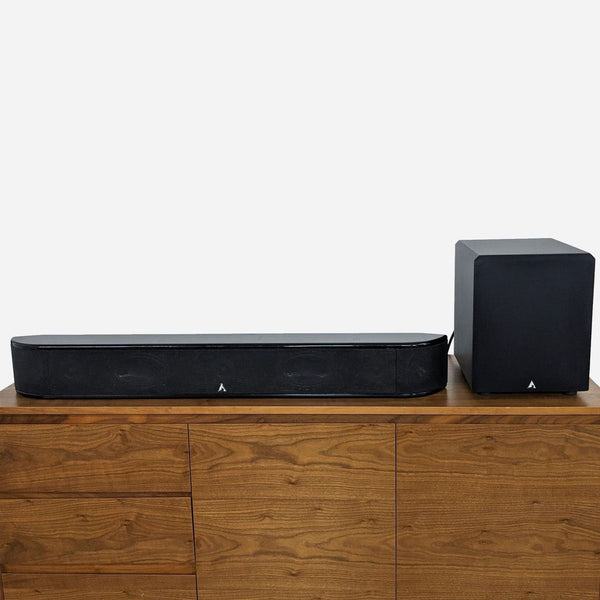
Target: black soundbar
250 365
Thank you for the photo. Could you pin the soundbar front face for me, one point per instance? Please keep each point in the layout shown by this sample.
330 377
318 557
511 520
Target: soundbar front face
250 365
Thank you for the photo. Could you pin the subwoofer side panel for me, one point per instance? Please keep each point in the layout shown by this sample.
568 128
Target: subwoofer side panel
463 308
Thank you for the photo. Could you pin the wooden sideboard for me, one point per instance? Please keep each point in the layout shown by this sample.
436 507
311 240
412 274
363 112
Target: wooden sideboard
450 496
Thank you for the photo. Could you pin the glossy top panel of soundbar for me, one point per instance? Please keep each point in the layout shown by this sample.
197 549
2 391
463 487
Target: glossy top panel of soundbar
230 340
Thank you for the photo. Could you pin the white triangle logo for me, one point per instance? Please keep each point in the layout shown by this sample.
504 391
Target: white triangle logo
531 385
222 388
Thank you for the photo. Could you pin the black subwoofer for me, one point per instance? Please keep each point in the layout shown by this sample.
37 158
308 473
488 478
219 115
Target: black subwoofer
523 315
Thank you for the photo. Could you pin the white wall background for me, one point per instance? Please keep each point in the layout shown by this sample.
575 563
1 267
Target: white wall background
271 166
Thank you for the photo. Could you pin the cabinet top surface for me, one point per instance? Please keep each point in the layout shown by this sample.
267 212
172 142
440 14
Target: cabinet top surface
456 399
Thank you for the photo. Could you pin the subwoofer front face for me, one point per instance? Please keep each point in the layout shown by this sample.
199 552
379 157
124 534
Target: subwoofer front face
532 323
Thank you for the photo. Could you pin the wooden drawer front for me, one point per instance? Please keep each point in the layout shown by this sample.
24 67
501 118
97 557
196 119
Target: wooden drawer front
100 587
294 511
293 461
93 458
301 549
97 535
483 508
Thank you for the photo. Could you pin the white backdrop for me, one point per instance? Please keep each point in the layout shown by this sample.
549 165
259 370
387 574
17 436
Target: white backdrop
272 166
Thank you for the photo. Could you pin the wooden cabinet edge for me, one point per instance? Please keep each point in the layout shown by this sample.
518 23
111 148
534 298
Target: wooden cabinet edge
337 418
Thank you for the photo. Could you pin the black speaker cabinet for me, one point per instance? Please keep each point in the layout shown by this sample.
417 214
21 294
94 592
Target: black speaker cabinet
523 315
253 365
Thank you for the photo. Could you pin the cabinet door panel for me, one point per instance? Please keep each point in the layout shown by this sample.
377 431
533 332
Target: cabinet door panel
100 587
294 511
498 511
93 458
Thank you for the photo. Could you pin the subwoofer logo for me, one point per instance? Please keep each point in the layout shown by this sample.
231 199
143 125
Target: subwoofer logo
221 388
531 385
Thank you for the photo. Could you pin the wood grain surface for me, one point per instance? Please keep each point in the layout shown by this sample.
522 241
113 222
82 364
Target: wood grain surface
295 548
507 452
100 587
95 535
289 578
294 511
439 583
93 458
292 461
455 404
480 504
360 532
